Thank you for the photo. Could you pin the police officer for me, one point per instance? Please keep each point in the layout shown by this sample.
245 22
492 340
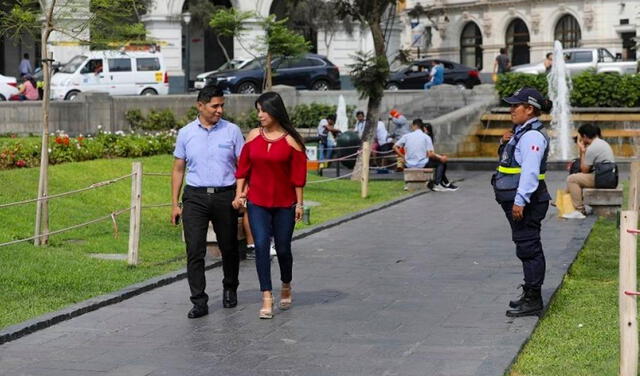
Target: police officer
520 189
209 148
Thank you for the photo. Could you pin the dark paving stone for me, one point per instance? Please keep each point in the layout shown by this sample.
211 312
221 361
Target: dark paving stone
419 288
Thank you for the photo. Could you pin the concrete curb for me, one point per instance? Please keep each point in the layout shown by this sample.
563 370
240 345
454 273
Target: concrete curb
27 327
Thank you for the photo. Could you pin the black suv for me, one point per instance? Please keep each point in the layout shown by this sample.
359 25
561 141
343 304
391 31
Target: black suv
416 74
310 71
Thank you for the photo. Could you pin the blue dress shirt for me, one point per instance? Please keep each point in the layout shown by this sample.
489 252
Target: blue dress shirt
211 154
529 152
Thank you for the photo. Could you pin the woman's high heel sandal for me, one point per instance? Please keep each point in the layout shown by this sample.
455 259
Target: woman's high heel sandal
266 313
285 298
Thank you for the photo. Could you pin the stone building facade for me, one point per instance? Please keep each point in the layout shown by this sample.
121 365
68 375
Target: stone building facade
472 32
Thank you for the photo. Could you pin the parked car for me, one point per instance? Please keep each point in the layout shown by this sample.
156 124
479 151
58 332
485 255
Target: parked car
416 74
113 72
579 60
7 90
201 79
310 71
8 80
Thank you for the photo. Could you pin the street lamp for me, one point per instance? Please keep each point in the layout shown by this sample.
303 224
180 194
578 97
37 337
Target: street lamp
186 19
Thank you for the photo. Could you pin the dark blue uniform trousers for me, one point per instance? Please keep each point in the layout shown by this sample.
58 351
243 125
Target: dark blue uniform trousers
526 235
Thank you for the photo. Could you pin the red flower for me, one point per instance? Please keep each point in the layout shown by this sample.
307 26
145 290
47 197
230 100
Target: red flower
65 140
21 163
59 140
80 138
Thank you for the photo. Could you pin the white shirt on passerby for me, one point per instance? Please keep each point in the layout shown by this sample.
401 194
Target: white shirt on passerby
381 133
416 145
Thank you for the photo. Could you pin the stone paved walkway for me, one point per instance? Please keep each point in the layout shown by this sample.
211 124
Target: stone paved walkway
419 288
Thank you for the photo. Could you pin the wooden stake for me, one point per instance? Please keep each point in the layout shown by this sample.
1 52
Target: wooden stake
136 210
366 151
628 304
634 186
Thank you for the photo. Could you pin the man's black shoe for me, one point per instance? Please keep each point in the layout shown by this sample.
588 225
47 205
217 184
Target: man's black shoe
229 298
531 305
198 311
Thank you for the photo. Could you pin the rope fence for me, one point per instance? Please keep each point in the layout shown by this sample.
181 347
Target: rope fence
92 186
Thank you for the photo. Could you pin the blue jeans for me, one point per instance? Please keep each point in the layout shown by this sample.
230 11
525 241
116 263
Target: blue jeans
277 222
324 151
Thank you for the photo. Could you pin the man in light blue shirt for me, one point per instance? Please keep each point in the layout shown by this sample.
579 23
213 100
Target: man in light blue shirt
208 148
25 66
437 75
419 153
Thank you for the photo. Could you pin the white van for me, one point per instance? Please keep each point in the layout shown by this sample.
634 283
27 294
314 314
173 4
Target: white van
113 72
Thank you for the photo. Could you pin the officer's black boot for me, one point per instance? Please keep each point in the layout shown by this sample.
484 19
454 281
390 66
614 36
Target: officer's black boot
531 304
517 302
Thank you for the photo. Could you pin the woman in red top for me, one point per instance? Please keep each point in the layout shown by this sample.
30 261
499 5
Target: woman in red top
275 165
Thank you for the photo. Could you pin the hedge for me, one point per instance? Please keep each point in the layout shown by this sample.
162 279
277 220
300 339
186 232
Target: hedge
589 88
302 116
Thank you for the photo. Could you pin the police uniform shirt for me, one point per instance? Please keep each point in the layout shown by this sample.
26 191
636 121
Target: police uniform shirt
528 154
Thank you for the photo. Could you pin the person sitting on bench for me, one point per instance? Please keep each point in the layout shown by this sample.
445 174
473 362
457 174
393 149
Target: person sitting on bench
419 153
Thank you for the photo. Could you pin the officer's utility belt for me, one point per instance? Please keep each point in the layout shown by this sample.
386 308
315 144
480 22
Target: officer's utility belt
515 171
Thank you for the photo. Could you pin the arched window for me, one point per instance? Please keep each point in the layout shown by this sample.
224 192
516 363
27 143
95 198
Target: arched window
471 46
518 42
568 32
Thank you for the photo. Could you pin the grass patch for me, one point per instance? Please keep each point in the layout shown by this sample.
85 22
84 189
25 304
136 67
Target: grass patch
34 280
579 333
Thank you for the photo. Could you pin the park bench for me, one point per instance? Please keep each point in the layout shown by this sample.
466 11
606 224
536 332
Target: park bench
417 178
605 202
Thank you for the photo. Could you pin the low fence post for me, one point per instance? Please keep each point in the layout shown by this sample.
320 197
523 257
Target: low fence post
136 209
627 295
366 151
634 186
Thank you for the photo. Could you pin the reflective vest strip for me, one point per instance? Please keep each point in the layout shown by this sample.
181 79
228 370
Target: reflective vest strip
515 170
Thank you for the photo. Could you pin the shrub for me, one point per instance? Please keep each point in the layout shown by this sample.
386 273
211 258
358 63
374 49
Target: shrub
590 89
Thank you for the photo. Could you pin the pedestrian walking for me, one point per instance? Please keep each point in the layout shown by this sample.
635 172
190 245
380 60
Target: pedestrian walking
520 189
25 66
275 164
208 148
502 64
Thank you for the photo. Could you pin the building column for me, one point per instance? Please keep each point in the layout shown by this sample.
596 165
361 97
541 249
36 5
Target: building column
72 17
167 30
251 40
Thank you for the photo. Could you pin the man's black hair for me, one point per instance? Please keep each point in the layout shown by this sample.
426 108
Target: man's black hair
360 113
417 122
549 54
588 130
208 92
26 55
503 50
331 117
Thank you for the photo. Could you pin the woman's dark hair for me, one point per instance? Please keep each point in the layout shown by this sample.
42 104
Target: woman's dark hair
31 79
428 129
549 54
546 106
360 113
271 103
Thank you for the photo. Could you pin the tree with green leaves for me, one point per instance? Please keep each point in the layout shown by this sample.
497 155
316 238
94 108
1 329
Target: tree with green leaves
228 22
44 17
280 41
369 72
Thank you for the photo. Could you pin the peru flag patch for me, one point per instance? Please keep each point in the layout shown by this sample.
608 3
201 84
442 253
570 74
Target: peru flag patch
535 148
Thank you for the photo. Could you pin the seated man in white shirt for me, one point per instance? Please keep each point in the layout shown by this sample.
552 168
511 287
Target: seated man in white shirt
419 153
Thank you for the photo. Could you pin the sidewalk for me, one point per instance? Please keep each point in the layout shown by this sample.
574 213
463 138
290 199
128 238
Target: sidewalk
419 288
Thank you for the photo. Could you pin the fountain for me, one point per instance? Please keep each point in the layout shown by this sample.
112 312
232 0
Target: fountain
559 93
342 122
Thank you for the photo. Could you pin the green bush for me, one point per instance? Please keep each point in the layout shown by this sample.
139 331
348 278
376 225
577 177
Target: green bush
589 88
20 153
309 115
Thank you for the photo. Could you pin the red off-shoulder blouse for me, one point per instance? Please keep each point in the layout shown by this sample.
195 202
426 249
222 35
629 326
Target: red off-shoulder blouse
273 171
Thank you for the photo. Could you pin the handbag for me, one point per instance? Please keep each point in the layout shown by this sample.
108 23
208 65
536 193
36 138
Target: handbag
606 175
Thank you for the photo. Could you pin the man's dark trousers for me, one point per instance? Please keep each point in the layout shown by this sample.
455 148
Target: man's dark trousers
200 208
526 235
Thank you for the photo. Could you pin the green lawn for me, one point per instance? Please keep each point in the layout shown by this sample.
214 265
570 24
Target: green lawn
579 333
34 280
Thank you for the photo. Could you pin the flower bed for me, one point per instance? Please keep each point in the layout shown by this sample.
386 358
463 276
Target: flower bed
25 152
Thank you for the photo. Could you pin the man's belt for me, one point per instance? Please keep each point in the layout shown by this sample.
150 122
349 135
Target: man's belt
210 189
515 170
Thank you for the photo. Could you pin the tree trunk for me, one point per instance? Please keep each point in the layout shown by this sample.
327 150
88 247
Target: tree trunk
42 206
224 50
267 73
373 105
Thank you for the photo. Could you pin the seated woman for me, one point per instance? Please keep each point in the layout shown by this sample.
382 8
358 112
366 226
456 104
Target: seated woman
28 90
